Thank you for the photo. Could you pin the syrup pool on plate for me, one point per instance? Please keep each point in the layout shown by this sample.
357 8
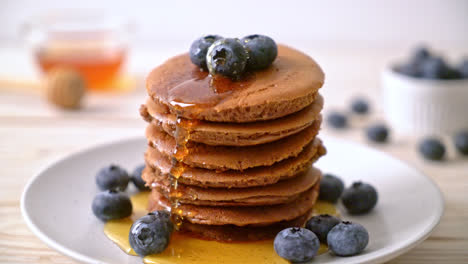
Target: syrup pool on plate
185 249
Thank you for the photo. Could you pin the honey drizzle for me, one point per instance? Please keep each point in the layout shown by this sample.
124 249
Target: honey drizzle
185 249
184 128
199 90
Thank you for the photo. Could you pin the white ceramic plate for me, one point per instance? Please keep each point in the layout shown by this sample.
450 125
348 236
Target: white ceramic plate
56 204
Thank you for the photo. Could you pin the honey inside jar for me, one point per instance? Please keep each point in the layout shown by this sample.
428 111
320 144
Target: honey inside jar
87 41
97 60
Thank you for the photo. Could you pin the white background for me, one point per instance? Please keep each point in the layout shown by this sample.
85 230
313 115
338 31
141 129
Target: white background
359 22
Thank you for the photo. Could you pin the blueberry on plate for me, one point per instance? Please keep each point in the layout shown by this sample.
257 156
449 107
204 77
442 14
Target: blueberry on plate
110 205
331 188
296 244
137 180
377 133
347 239
359 198
461 142
199 48
262 51
432 149
337 120
165 217
227 57
151 233
463 68
360 106
112 177
321 225
435 68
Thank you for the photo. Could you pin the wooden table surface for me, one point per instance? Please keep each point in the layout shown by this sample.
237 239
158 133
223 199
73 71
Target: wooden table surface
32 134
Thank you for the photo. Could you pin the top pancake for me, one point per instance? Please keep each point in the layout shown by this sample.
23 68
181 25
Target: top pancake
287 86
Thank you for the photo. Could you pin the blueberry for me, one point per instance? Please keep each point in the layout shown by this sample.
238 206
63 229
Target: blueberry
296 244
150 234
337 120
359 198
199 48
461 142
262 51
435 68
360 106
432 149
412 70
347 239
112 177
331 188
454 74
110 204
377 133
321 225
165 217
419 55
463 68
227 57
137 180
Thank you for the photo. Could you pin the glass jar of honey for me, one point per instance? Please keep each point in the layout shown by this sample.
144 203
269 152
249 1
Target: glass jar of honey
88 41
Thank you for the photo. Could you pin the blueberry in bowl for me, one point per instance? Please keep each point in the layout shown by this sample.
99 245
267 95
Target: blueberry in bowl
420 54
151 233
227 57
112 177
347 239
296 244
111 205
463 68
422 95
199 49
262 51
435 68
359 198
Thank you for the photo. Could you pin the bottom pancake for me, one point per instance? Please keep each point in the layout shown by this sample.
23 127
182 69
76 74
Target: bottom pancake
232 233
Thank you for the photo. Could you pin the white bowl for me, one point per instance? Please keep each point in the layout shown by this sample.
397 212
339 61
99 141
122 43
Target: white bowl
420 106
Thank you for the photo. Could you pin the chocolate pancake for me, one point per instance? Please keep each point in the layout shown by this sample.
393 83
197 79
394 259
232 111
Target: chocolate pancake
240 216
223 158
233 134
285 87
232 233
259 176
281 192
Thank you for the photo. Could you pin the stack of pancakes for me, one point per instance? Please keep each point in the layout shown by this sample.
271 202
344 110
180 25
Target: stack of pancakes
233 160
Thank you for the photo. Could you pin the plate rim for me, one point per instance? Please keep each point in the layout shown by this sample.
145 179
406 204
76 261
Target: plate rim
394 250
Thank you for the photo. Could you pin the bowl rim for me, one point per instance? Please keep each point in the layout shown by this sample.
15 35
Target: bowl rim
390 71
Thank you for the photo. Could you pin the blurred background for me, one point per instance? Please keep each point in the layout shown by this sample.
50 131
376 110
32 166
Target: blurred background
49 49
352 40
